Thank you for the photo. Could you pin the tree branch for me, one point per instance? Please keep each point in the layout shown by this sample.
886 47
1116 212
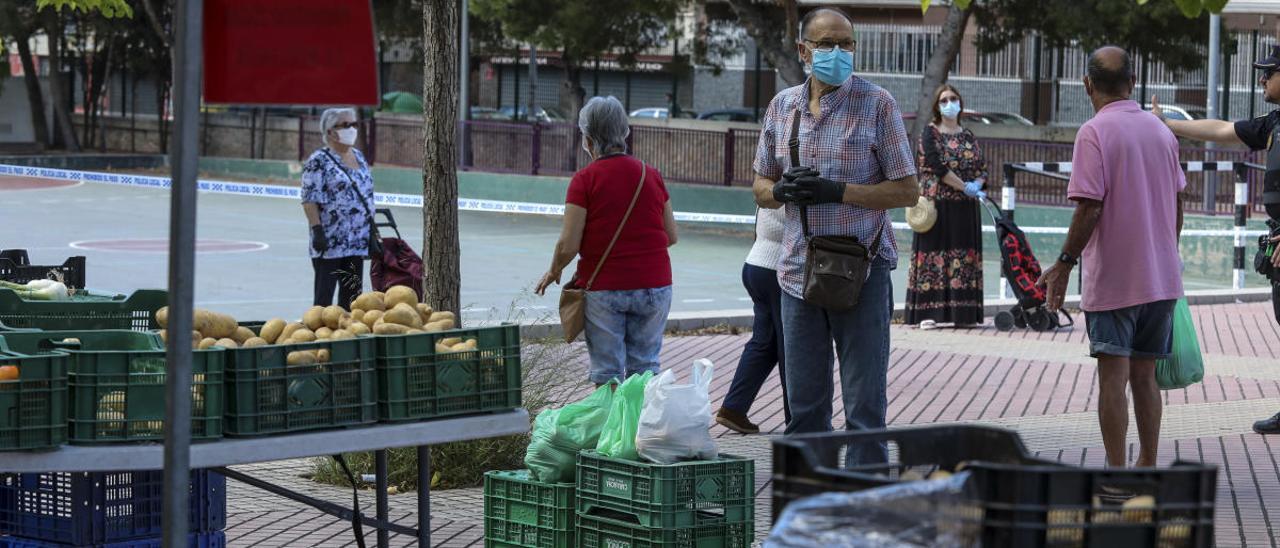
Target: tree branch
155 23
940 63
761 24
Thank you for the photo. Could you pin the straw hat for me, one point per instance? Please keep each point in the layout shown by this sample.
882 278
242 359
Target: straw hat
922 216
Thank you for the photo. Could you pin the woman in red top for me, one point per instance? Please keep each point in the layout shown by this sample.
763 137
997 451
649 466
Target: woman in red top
628 302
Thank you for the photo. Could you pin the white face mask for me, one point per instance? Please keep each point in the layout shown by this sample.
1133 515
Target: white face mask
347 136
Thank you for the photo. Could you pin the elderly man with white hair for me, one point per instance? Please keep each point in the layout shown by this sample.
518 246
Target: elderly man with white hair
337 197
618 220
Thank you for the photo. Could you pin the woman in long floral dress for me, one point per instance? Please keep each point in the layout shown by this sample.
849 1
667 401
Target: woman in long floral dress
944 282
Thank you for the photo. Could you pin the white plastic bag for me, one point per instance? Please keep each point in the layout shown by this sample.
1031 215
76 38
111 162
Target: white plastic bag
675 422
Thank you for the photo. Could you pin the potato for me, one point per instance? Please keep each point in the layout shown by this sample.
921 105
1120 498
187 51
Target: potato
439 316
357 315
415 331
323 333
342 334
162 316
226 343
201 320
387 328
287 332
242 334
164 335
207 342
371 317
369 302
301 357
303 335
442 325
468 346
425 311
331 315
401 294
442 348
254 342
322 355
360 329
403 314
449 342
313 318
911 475
271 330
939 474
219 326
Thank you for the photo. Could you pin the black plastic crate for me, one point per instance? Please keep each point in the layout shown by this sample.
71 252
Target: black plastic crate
1020 500
71 271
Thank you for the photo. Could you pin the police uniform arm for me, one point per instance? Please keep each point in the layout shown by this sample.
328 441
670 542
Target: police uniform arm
1217 131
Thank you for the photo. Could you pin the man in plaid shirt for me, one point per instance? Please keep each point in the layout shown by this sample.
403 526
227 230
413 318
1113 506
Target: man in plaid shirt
857 165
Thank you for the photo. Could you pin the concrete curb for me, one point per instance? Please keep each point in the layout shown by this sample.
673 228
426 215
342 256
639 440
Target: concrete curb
743 318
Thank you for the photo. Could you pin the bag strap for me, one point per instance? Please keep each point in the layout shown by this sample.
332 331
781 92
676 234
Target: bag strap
625 216
794 144
354 190
357 526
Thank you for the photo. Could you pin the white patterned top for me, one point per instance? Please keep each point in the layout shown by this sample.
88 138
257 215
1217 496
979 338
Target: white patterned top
767 250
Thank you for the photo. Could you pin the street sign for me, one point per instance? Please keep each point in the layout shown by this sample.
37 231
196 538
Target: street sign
289 52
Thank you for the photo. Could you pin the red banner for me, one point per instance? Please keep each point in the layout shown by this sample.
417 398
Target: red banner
289 52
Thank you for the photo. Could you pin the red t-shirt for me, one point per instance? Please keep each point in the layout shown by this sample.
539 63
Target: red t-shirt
639 260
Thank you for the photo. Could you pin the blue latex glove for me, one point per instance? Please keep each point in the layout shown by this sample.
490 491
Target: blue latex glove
981 195
972 188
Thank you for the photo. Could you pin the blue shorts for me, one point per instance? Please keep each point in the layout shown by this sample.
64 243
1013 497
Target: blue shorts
1143 331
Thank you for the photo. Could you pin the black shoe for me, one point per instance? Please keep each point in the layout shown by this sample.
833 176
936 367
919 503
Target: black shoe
1268 426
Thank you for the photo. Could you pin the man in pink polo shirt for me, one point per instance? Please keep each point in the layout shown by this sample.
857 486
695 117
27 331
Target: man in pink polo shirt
1125 180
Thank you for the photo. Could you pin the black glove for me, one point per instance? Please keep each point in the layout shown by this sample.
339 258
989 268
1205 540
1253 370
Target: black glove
824 191
797 172
318 241
788 192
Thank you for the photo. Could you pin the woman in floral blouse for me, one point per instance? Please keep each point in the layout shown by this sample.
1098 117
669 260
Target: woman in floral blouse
337 197
944 284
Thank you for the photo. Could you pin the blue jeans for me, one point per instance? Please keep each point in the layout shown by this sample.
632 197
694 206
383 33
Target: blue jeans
624 331
861 338
764 350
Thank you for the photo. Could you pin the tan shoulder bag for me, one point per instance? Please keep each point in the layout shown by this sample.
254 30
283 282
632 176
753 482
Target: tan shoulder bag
573 300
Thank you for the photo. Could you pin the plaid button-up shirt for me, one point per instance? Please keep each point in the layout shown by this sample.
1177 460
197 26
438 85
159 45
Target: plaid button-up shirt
859 138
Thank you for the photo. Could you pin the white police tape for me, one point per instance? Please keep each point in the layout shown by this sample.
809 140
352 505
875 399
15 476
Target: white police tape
464 204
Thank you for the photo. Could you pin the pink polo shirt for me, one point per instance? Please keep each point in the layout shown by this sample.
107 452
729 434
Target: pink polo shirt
1127 159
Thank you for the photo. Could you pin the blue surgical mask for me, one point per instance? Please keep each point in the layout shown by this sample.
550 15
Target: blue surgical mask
832 67
950 110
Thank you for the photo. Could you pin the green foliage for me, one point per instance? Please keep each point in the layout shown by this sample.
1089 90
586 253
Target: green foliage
1189 8
108 8
583 29
1158 29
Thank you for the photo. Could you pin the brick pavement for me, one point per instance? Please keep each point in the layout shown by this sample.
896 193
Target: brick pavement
1040 384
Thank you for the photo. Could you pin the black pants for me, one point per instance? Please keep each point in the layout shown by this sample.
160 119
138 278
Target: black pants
346 273
764 350
1275 300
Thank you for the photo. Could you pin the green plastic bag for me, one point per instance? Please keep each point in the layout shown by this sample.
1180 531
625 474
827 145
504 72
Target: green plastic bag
1185 365
618 440
559 434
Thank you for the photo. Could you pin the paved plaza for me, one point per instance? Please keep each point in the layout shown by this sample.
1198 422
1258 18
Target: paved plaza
1040 384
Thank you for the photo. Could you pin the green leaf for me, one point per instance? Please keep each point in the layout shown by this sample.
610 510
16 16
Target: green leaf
924 6
1215 6
1143 2
963 4
108 8
1190 8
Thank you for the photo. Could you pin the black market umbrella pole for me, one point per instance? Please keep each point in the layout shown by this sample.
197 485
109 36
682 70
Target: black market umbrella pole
182 254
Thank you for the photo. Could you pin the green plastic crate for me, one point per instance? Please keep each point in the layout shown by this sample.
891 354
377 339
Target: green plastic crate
609 530
136 312
33 408
117 384
416 383
519 511
265 395
685 494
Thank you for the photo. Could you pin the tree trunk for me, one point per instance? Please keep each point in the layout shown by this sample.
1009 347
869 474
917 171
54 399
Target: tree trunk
439 156
940 63
35 96
57 86
572 94
777 45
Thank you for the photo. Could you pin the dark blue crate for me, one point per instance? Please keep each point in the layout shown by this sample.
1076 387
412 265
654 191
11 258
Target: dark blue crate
90 509
213 539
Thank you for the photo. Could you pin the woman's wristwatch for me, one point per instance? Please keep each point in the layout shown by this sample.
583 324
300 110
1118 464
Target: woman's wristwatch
1068 259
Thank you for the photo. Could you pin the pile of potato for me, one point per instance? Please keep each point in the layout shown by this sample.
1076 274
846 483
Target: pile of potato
395 312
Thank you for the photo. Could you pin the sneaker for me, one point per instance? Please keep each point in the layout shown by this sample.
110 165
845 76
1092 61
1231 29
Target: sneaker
1268 426
928 324
736 421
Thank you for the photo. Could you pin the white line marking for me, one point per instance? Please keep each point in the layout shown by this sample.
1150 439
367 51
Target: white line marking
692 301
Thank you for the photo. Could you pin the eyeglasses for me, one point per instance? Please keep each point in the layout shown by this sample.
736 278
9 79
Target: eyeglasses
345 125
827 46
948 100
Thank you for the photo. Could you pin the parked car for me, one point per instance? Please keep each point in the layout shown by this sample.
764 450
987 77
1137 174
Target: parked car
1182 112
661 112
729 115
543 114
985 118
487 113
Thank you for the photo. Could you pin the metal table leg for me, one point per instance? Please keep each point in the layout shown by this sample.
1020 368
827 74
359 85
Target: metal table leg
380 483
424 496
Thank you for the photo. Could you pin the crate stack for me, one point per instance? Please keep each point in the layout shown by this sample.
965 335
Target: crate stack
617 502
108 509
